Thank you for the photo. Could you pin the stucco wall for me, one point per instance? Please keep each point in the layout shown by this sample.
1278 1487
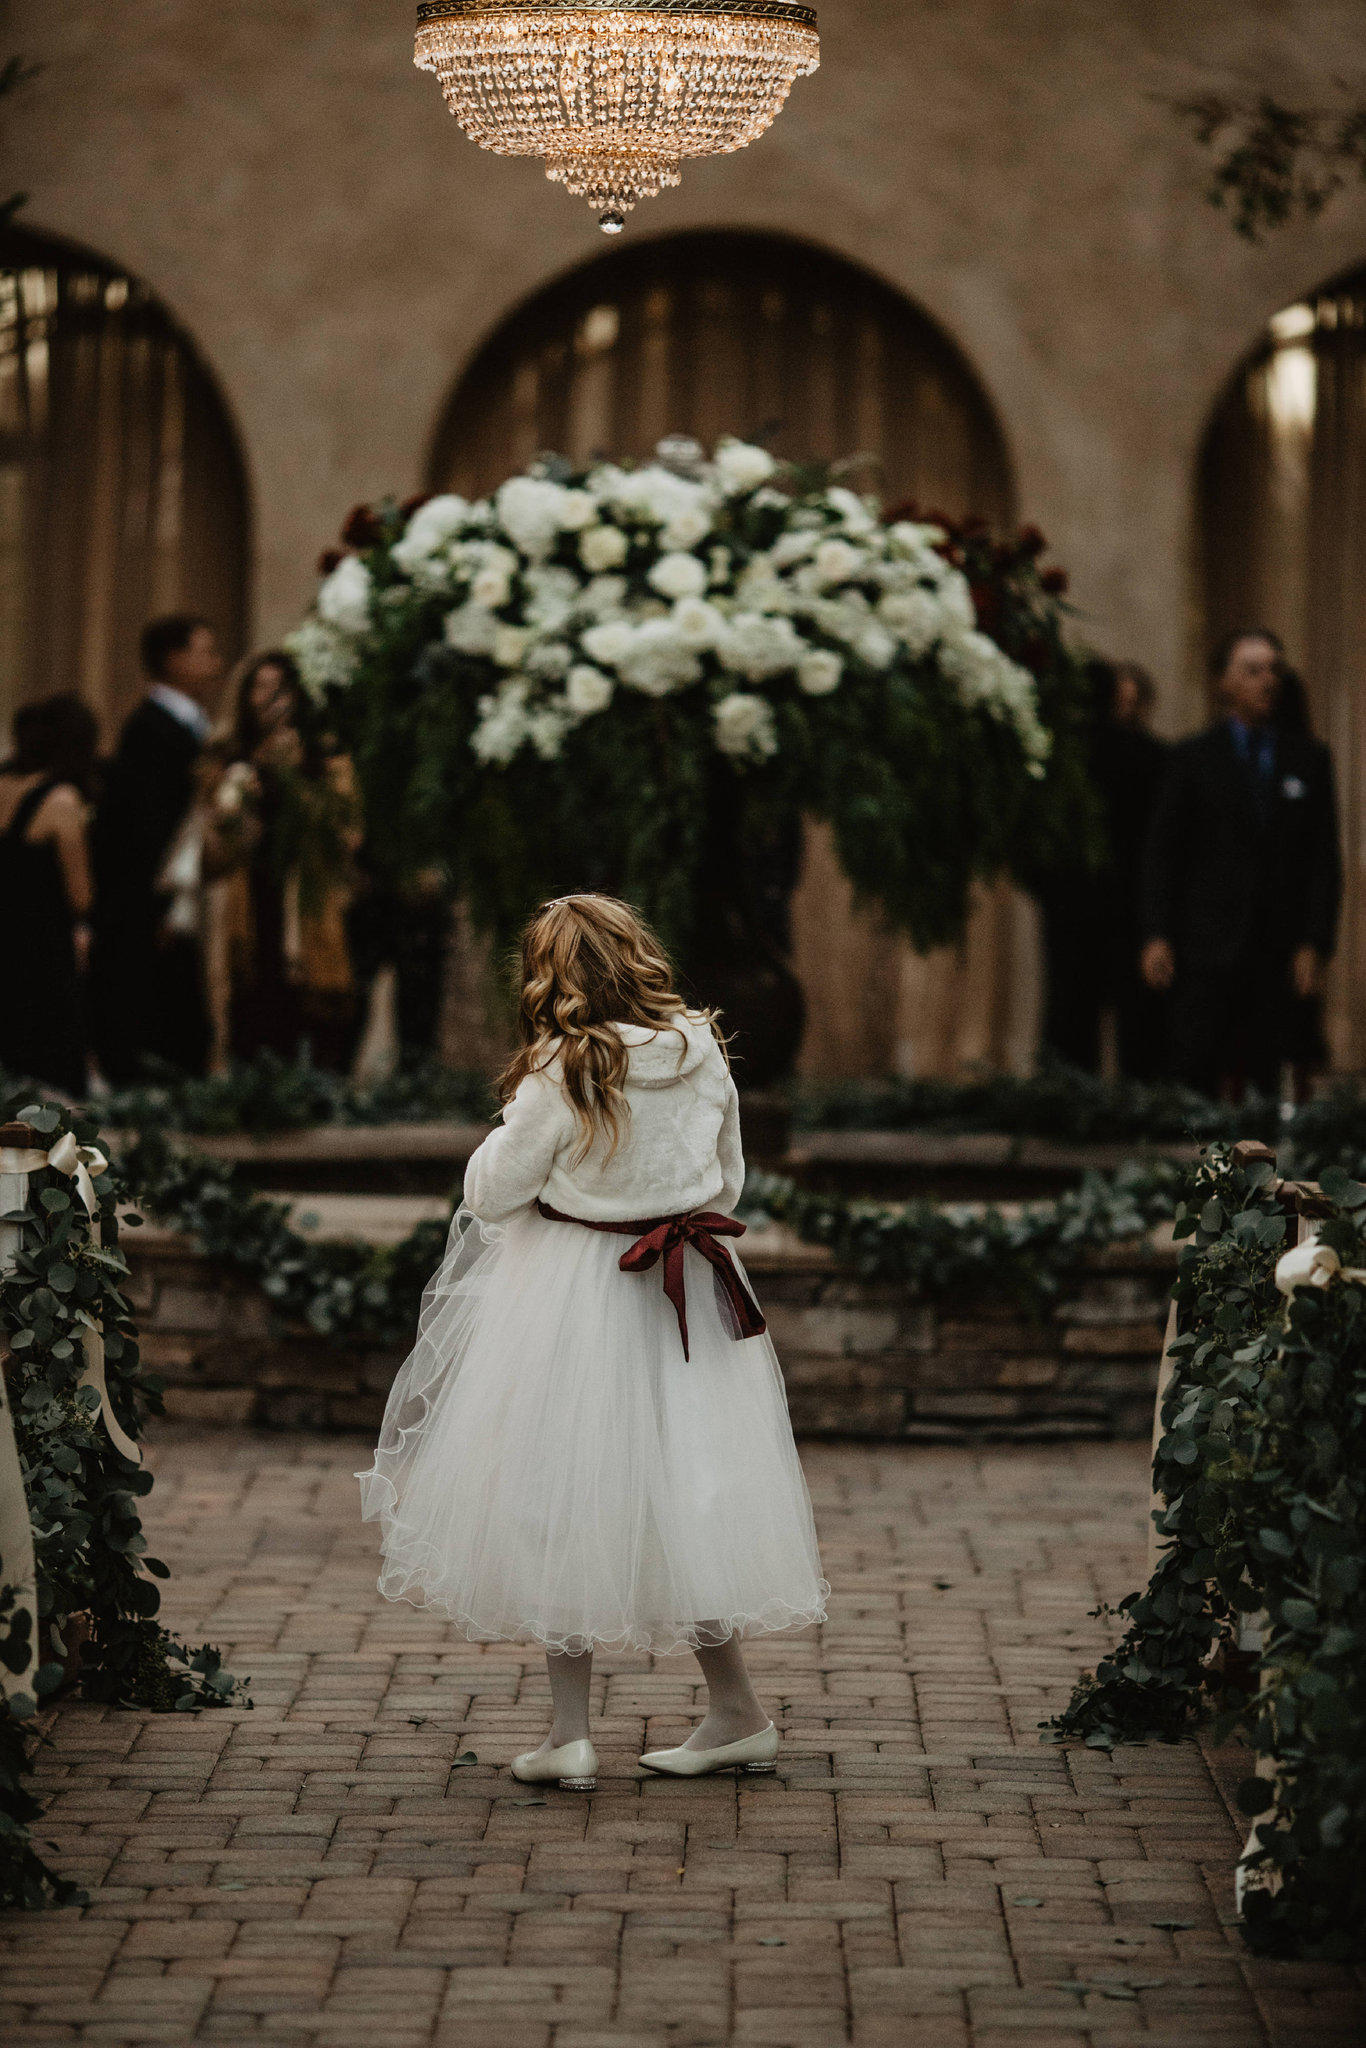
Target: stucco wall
299 197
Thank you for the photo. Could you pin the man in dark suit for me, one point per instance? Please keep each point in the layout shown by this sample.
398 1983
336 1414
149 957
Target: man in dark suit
1242 879
148 981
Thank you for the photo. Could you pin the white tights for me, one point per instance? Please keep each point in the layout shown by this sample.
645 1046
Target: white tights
733 1709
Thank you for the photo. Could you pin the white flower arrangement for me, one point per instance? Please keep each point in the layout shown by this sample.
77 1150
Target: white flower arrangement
651 581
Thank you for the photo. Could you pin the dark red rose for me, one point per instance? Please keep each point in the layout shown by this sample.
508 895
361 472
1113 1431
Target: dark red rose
892 515
1030 543
414 504
328 560
1054 581
362 527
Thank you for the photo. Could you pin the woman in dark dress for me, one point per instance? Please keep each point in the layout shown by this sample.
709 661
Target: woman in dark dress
46 890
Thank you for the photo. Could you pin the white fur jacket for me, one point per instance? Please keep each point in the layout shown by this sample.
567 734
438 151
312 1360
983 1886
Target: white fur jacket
679 1149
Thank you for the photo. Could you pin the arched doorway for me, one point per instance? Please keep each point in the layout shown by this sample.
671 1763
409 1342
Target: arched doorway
1281 526
770 338
122 487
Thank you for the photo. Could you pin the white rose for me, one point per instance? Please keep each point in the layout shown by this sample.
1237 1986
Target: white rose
955 598
602 547
492 586
548 658
697 623
529 513
609 643
914 536
503 724
577 510
431 527
344 598
587 690
837 562
510 644
550 596
756 646
970 661
745 726
743 467
790 548
471 629
603 596
819 672
686 528
675 576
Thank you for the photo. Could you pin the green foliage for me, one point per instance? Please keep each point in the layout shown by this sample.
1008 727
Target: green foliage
1058 1102
1262 1468
271 1093
90 1551
1276 163
940 1249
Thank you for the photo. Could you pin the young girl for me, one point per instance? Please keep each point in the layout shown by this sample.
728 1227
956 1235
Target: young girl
590 1443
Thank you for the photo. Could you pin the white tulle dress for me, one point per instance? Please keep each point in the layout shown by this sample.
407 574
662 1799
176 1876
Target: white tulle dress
551 1466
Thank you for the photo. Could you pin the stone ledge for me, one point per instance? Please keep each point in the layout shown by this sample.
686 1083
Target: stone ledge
860 1359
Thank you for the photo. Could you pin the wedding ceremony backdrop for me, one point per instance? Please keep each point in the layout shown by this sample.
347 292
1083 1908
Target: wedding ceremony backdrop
260 277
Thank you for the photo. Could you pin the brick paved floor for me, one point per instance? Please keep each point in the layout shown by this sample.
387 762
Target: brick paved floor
921 1871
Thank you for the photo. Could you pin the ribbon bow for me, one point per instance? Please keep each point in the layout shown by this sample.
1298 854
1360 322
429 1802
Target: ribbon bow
669 1239
81 1163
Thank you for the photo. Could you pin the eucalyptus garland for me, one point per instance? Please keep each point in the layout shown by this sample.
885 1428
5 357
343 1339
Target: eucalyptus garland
1261 1466
90 1551
635 679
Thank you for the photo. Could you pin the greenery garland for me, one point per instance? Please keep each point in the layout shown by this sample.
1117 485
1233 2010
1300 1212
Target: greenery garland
1262 1469
90 1551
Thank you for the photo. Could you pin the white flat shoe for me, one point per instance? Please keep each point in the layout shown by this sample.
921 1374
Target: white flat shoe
573 1767
751 1753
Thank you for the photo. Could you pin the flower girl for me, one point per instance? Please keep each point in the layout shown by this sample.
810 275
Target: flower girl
590 1443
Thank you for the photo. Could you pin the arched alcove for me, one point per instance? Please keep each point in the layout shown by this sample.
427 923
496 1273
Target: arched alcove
727 332
122 487
772 338
1281 542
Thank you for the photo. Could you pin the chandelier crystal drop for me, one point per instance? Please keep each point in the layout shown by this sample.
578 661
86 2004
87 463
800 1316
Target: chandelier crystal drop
614 94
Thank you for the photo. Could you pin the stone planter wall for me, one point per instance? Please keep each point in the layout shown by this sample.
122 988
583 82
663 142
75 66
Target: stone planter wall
860 1359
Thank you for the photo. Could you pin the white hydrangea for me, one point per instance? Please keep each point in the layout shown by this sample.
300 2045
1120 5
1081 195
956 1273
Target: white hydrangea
656 497
503 726
549 659
678 575
875 646
326 658
745 726
546 728
819 672
916 617
587 690
743 467
428 533
344 598
955 598
491 584
755 645
657 661
602 547
471 629
601 597
551 594
530 512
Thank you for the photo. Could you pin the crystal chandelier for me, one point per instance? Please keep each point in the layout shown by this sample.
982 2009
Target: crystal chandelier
615 93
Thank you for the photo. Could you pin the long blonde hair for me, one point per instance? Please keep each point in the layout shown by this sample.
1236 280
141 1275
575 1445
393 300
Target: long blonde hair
588 963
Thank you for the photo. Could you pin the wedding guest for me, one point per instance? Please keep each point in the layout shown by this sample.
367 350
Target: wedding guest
148 990
1242 879
283 827
1090 916
46 889
1307 1044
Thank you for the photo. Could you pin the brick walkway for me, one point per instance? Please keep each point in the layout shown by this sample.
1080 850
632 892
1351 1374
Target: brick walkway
921 1873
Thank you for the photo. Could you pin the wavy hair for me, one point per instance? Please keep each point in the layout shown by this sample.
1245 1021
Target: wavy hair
588 963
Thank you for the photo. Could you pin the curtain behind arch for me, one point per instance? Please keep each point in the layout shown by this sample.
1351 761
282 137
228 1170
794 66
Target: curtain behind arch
768 338
122 492
1282 527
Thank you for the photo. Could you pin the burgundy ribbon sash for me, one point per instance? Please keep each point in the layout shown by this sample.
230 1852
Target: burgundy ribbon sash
666 1238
